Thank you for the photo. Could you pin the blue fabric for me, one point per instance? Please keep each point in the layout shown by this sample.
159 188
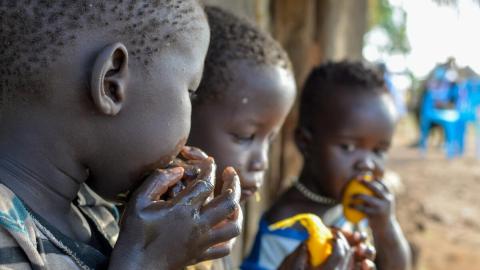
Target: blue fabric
14 219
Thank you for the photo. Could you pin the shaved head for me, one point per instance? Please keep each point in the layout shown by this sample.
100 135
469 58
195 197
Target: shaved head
34 34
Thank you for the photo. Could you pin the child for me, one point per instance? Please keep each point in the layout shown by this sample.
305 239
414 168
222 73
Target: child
345 129
246 92
97 93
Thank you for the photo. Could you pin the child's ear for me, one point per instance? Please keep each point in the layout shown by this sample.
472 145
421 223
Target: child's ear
303 138
110 78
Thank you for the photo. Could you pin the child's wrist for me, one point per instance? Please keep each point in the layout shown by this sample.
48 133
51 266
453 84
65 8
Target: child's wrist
383 226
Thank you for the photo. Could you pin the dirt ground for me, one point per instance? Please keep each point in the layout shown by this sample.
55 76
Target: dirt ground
439 208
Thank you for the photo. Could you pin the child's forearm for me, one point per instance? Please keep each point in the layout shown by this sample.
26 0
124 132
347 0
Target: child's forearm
393 252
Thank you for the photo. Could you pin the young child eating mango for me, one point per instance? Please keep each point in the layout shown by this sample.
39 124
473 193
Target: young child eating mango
347 120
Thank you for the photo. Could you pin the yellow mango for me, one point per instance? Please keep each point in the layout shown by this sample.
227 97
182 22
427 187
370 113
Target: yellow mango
319 241
352 188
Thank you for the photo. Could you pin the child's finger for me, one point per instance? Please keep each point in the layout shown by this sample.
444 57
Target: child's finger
376 188
224 233
342 241
220 208
232 181
202 187
353 238
207 170
192 170
363 251
340 247
368 265
158 184
369 211
193 153
368 200
342 253
215 252
383 186
196 194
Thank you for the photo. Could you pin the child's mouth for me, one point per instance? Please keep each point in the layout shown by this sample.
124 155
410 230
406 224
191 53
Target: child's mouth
248 192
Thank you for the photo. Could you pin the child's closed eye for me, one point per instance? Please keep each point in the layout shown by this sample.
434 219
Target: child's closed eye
242 138
348 147
381 152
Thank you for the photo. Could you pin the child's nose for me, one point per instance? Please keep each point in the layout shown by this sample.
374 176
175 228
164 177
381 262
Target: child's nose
369 164
259 161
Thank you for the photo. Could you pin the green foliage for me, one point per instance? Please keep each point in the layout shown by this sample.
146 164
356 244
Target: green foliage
382 16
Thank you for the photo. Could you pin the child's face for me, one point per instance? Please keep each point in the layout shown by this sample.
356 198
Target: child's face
237 130
155 122
353 139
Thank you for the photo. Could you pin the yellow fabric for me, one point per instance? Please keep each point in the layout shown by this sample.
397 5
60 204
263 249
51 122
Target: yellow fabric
319 240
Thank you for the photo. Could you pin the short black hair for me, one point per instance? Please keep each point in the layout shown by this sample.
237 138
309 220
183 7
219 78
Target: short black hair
328 79
34 32
233 38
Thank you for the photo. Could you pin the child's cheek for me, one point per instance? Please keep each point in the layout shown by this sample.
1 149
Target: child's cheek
342 170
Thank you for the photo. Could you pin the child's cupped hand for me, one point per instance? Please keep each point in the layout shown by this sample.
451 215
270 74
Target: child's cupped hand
164 232
364 254
349 253
379 207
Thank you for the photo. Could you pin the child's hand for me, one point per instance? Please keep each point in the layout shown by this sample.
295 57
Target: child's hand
191 161
173 233
393 251
364 254
379 208
342 257
297 260
231 181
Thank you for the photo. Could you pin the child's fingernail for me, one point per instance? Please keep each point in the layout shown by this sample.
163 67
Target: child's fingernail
231 170
175 170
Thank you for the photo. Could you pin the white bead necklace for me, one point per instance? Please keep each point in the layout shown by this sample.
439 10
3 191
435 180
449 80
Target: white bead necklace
312 195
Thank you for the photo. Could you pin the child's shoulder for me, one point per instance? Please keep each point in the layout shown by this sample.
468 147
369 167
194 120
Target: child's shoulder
278 212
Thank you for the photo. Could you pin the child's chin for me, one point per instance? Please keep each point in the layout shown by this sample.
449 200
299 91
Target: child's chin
246 194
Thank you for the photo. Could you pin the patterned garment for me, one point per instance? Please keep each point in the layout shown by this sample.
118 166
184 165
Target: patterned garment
29 242
272 247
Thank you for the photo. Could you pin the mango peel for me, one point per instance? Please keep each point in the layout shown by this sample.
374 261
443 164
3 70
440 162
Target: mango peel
355 187
319 241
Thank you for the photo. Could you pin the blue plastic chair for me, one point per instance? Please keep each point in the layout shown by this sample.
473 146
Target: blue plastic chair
468 101
449 119
453 121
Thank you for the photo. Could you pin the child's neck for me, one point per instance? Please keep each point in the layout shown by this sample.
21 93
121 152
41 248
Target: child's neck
46 180
309 180
293 202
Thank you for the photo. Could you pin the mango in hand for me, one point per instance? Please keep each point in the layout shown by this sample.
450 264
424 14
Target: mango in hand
355 187
319 241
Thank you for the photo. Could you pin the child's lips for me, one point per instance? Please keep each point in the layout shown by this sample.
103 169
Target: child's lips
248 192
